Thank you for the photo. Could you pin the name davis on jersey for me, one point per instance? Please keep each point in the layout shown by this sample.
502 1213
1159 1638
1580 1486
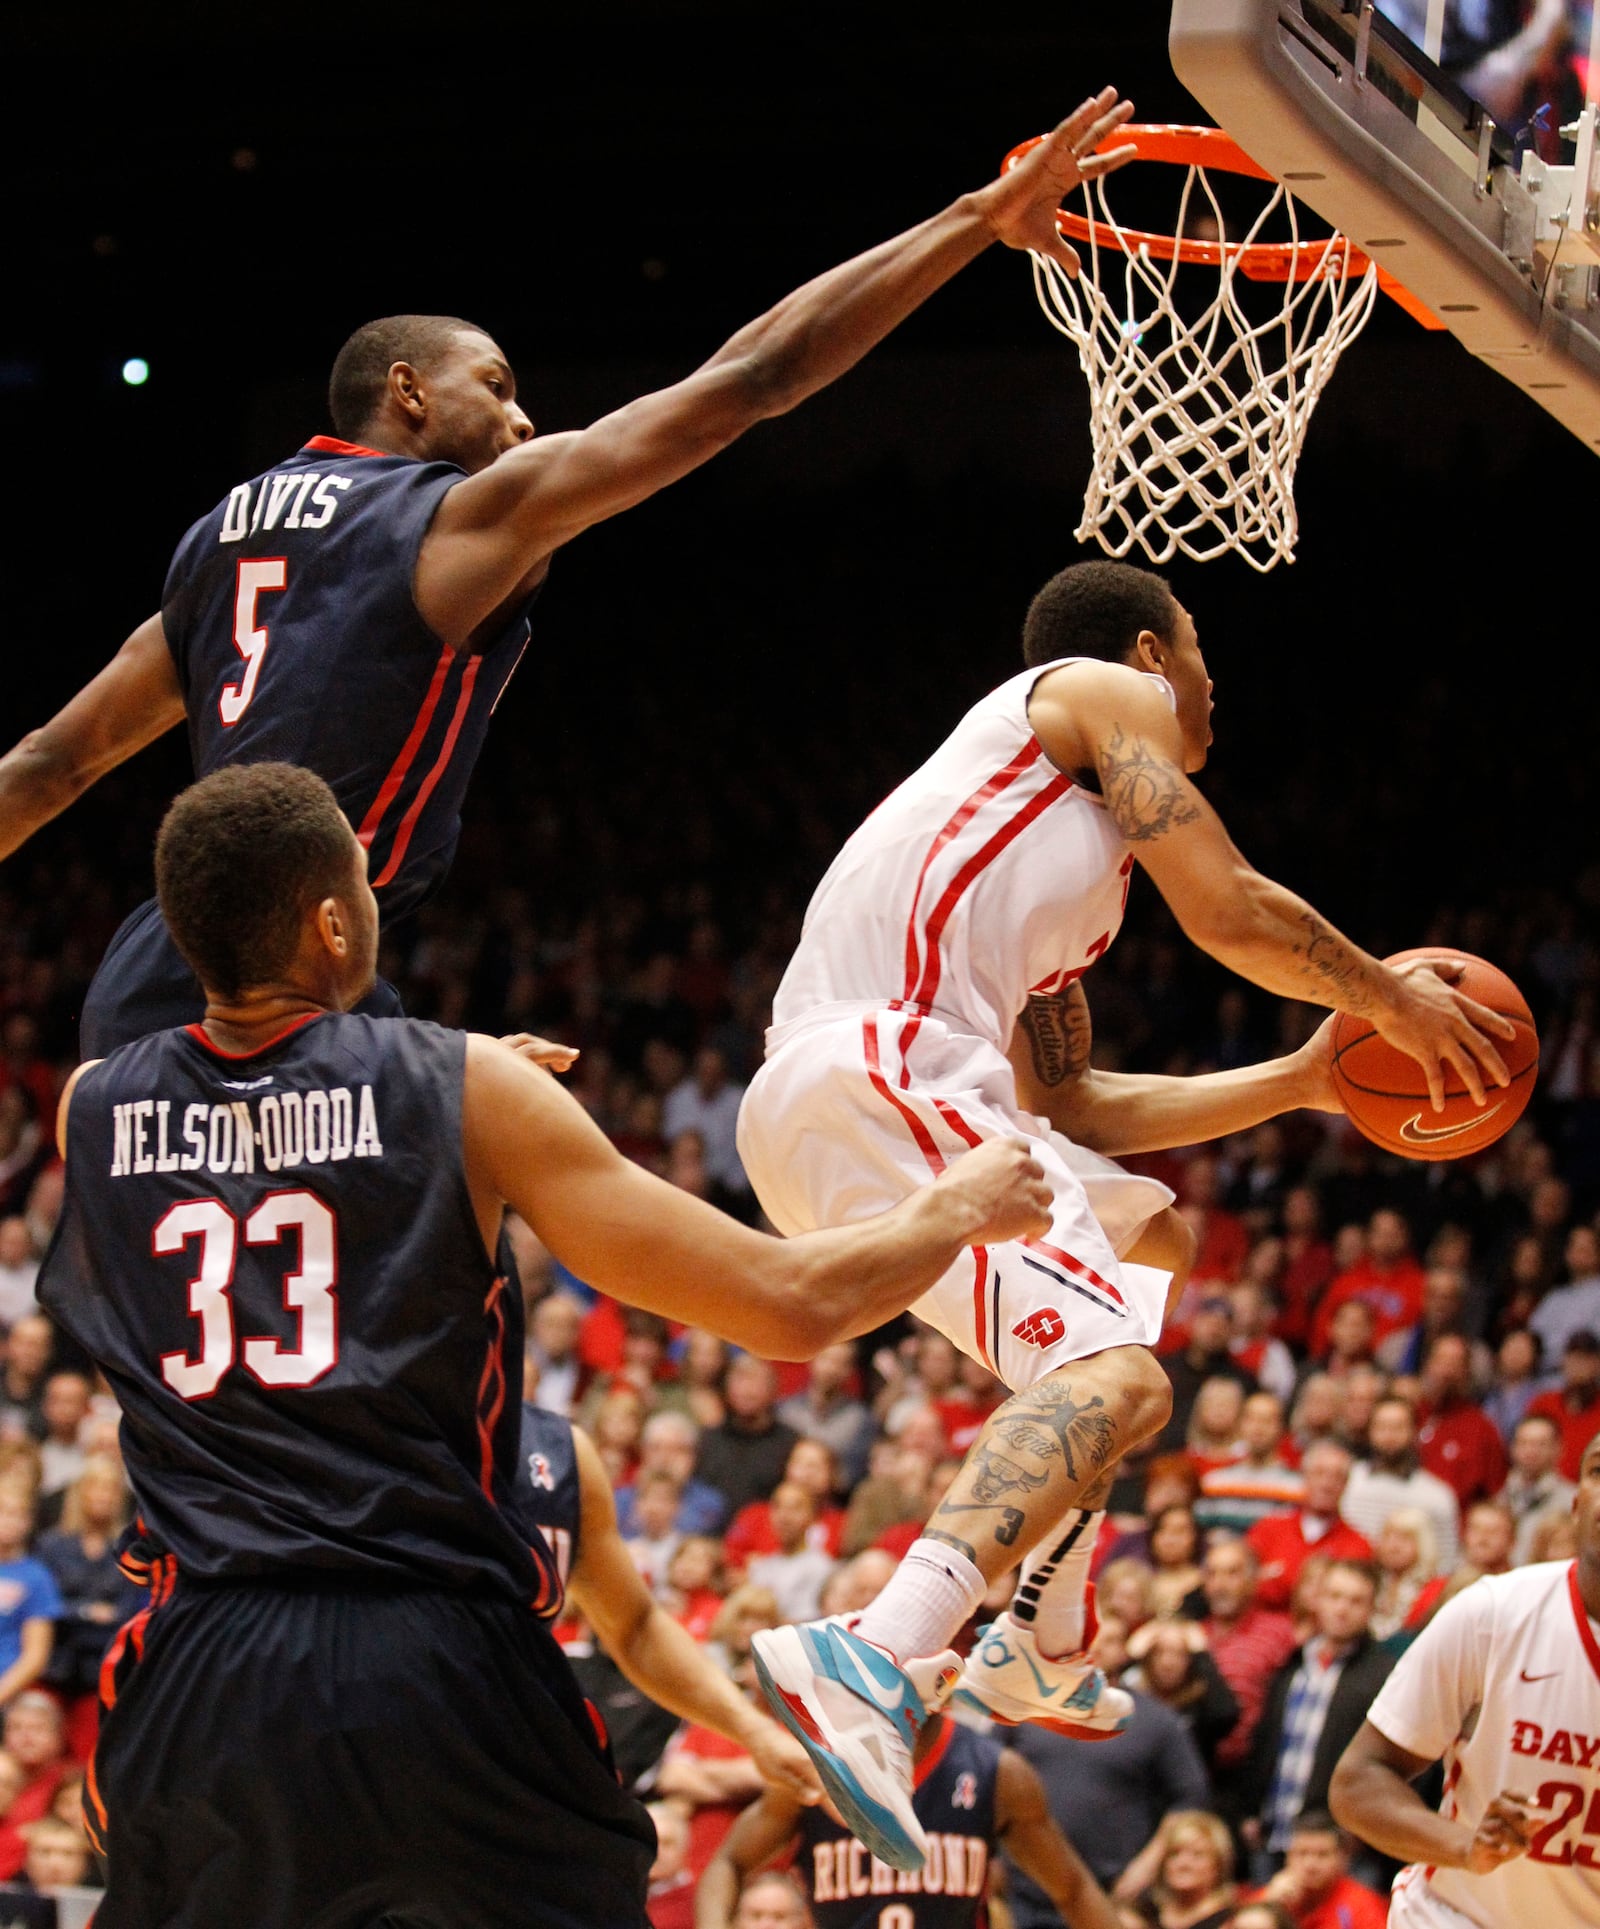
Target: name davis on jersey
282 498
287 1129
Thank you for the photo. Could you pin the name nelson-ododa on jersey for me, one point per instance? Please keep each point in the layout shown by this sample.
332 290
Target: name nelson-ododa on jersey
286 1129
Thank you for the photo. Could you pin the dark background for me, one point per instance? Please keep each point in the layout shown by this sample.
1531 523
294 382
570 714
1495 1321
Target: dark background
1405 716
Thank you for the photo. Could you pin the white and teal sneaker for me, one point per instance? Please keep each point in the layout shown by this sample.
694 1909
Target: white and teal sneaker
856 1712
1008 1679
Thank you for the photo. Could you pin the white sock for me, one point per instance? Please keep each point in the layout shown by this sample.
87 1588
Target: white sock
1054 1577
933 1591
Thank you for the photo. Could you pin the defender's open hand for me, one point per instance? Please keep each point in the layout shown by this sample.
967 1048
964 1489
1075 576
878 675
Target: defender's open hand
1021 206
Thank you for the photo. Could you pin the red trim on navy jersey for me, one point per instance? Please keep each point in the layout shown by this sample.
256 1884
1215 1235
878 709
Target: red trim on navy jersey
1026 757
408 750
331 445
198 1034
491 1386
936 1754
1591 1647
981 859
408 823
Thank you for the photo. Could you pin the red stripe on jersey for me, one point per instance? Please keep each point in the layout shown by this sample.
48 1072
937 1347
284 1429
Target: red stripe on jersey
980 1317
920 1132
331 445
1024 759
935 1158
199 1035
956 1122
975 865
408 750
906 1037
1076 1266
408 823
1581 1614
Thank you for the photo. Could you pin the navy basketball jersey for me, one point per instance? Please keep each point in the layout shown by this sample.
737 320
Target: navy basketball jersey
545 1496
290 617
954 1800
274 1260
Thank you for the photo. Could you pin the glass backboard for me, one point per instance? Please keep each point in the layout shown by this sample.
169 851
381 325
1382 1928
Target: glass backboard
1452 140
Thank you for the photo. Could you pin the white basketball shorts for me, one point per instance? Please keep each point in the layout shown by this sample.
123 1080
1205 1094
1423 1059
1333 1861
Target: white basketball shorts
852 1112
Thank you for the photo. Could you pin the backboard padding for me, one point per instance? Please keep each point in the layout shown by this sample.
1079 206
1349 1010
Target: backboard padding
1415 189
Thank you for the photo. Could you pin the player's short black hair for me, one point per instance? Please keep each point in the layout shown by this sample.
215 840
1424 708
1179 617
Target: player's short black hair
361 368
240 858
1096 609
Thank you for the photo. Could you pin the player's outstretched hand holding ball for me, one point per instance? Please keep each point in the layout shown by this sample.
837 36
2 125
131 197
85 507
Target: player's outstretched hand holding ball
1000 1190
1447 1073
1021 206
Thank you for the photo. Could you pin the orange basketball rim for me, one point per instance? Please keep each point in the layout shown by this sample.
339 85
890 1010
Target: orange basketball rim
1212 148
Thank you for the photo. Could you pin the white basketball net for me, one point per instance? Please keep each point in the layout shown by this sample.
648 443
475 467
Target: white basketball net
1197 423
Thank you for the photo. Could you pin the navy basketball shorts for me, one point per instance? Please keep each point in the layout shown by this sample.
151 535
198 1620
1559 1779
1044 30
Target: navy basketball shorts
144 986
310 1758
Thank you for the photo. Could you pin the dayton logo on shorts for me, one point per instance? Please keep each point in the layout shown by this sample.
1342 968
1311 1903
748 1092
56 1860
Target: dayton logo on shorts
1042 1328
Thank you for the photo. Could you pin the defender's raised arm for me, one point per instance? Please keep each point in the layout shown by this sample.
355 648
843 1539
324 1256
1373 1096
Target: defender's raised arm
532 1146
495 528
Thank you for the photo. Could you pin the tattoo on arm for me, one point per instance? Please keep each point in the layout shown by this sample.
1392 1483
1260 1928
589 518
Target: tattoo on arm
1331 961
1060 1034
1143 791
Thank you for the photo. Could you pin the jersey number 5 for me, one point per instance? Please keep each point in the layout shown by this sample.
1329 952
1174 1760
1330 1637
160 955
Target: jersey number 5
310 1292
255 574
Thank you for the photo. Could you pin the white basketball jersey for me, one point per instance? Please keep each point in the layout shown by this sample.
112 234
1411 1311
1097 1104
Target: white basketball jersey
1504 1687
987 875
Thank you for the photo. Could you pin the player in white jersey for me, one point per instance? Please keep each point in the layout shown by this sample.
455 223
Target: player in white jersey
934 1003
1503 1686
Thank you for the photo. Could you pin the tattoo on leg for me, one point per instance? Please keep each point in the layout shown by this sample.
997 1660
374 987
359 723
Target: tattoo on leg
1007 1528
1024 1435
1087 1428
932 1533
1034 1428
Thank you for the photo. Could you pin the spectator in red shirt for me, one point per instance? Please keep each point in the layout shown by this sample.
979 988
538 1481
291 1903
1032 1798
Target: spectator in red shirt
1389 1280
1315 1884
1222 1238
1352 1336
1283 1545
1307 1264
1575 1405
1248 1642
810 1465
35 1738
1456 1439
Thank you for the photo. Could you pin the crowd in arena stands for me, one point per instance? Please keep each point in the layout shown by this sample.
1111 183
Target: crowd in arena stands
1384 1372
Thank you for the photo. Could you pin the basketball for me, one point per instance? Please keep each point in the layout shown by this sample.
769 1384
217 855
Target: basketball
1384 1092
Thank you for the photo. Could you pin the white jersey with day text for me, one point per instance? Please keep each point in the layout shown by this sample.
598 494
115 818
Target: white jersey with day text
1504 1687
988 874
